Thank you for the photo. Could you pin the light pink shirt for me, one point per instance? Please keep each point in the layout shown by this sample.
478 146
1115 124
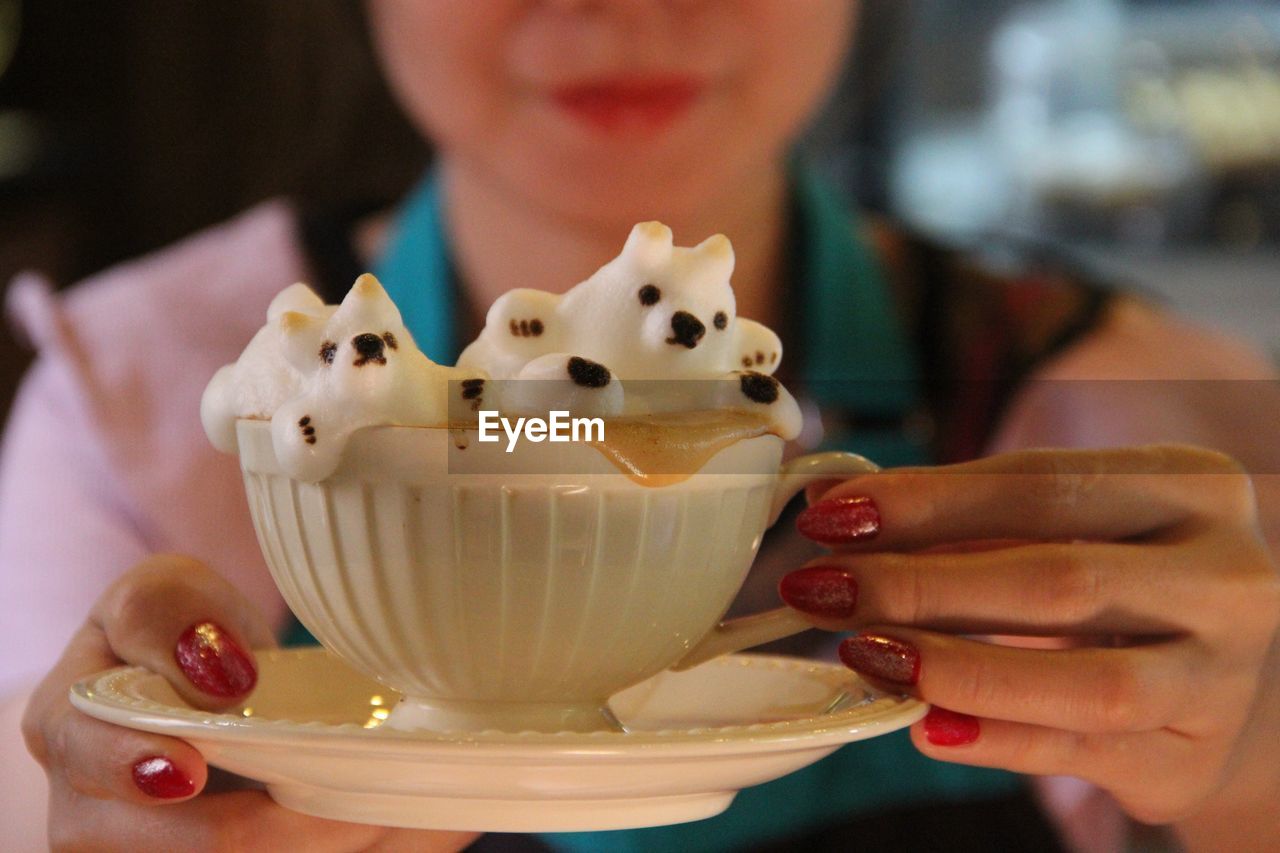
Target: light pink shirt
105 461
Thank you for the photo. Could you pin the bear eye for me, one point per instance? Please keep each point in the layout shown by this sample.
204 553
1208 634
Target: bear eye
649 294
328 350
389 339
720 320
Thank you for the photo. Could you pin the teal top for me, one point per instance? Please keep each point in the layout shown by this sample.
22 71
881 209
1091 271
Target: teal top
856 358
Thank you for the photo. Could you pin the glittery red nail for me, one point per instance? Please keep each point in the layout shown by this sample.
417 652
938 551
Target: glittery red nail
882 657
826 591
214 662
950 728
158 777
840 521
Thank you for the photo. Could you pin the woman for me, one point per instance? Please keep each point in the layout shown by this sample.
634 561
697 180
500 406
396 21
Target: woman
558 125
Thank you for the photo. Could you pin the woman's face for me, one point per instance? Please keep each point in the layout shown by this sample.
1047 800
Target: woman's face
612 111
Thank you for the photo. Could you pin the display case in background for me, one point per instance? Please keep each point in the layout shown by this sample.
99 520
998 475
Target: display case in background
129 124
1142 136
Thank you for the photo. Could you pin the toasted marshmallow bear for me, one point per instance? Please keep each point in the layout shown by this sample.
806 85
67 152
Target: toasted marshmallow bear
657 311
262 378
359 367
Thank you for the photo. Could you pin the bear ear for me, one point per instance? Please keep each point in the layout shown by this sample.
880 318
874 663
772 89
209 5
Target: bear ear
649 245
367 286
367 303
716 256
300 338
295 297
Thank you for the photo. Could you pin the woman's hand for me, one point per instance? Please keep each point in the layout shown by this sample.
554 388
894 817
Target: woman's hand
1149 560
112 788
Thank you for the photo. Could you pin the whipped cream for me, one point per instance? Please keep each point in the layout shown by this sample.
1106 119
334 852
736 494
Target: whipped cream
654 331
626 341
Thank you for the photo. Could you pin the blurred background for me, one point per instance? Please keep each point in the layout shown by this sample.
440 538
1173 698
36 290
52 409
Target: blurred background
1141 136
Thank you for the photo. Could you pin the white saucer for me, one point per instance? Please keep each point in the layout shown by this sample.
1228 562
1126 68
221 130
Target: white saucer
311 733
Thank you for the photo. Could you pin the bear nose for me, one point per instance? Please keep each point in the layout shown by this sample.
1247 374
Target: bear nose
686 329
367 345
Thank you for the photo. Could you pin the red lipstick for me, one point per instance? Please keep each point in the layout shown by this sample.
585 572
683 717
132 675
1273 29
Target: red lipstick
631 103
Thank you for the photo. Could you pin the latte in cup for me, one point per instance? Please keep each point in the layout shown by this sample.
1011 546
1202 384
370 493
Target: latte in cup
517 584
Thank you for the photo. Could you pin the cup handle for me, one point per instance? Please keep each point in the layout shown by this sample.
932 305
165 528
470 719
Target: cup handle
746 631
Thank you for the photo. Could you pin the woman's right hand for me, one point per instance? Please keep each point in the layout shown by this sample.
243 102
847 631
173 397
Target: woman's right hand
114 788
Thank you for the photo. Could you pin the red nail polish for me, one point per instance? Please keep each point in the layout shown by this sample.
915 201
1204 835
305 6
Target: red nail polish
158 777
840 521
881 657
821 591
214 662
950 728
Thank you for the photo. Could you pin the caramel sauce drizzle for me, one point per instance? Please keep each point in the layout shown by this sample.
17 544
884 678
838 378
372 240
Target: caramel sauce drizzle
662 450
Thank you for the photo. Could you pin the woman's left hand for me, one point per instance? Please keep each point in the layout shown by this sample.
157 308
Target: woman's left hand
1149 560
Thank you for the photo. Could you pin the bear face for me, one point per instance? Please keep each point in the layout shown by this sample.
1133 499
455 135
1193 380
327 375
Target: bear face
359 367
658 311
354 351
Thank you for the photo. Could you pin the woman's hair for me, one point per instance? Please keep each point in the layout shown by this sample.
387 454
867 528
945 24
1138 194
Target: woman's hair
153 121
359 146
852 138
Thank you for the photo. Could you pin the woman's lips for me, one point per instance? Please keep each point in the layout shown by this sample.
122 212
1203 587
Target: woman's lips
612 106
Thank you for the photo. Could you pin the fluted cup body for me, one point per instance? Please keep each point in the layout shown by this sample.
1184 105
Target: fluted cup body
487 585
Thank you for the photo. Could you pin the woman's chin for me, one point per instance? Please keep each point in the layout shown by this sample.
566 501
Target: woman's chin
614 202
608 187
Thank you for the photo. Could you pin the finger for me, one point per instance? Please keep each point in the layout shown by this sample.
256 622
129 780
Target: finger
424 841
1040 589
175 616
98 759
107 762
814 491
239 820
1078 689
1128 764
1035 494
87 653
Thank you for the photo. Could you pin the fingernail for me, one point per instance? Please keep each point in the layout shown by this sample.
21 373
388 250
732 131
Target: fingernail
840 520
949 728
158 777
214 662
881 657
821 591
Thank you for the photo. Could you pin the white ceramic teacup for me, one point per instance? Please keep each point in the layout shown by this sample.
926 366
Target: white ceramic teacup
519 600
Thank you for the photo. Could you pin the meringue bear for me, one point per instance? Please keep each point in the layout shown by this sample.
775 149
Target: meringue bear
261 379
657 311
359 367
